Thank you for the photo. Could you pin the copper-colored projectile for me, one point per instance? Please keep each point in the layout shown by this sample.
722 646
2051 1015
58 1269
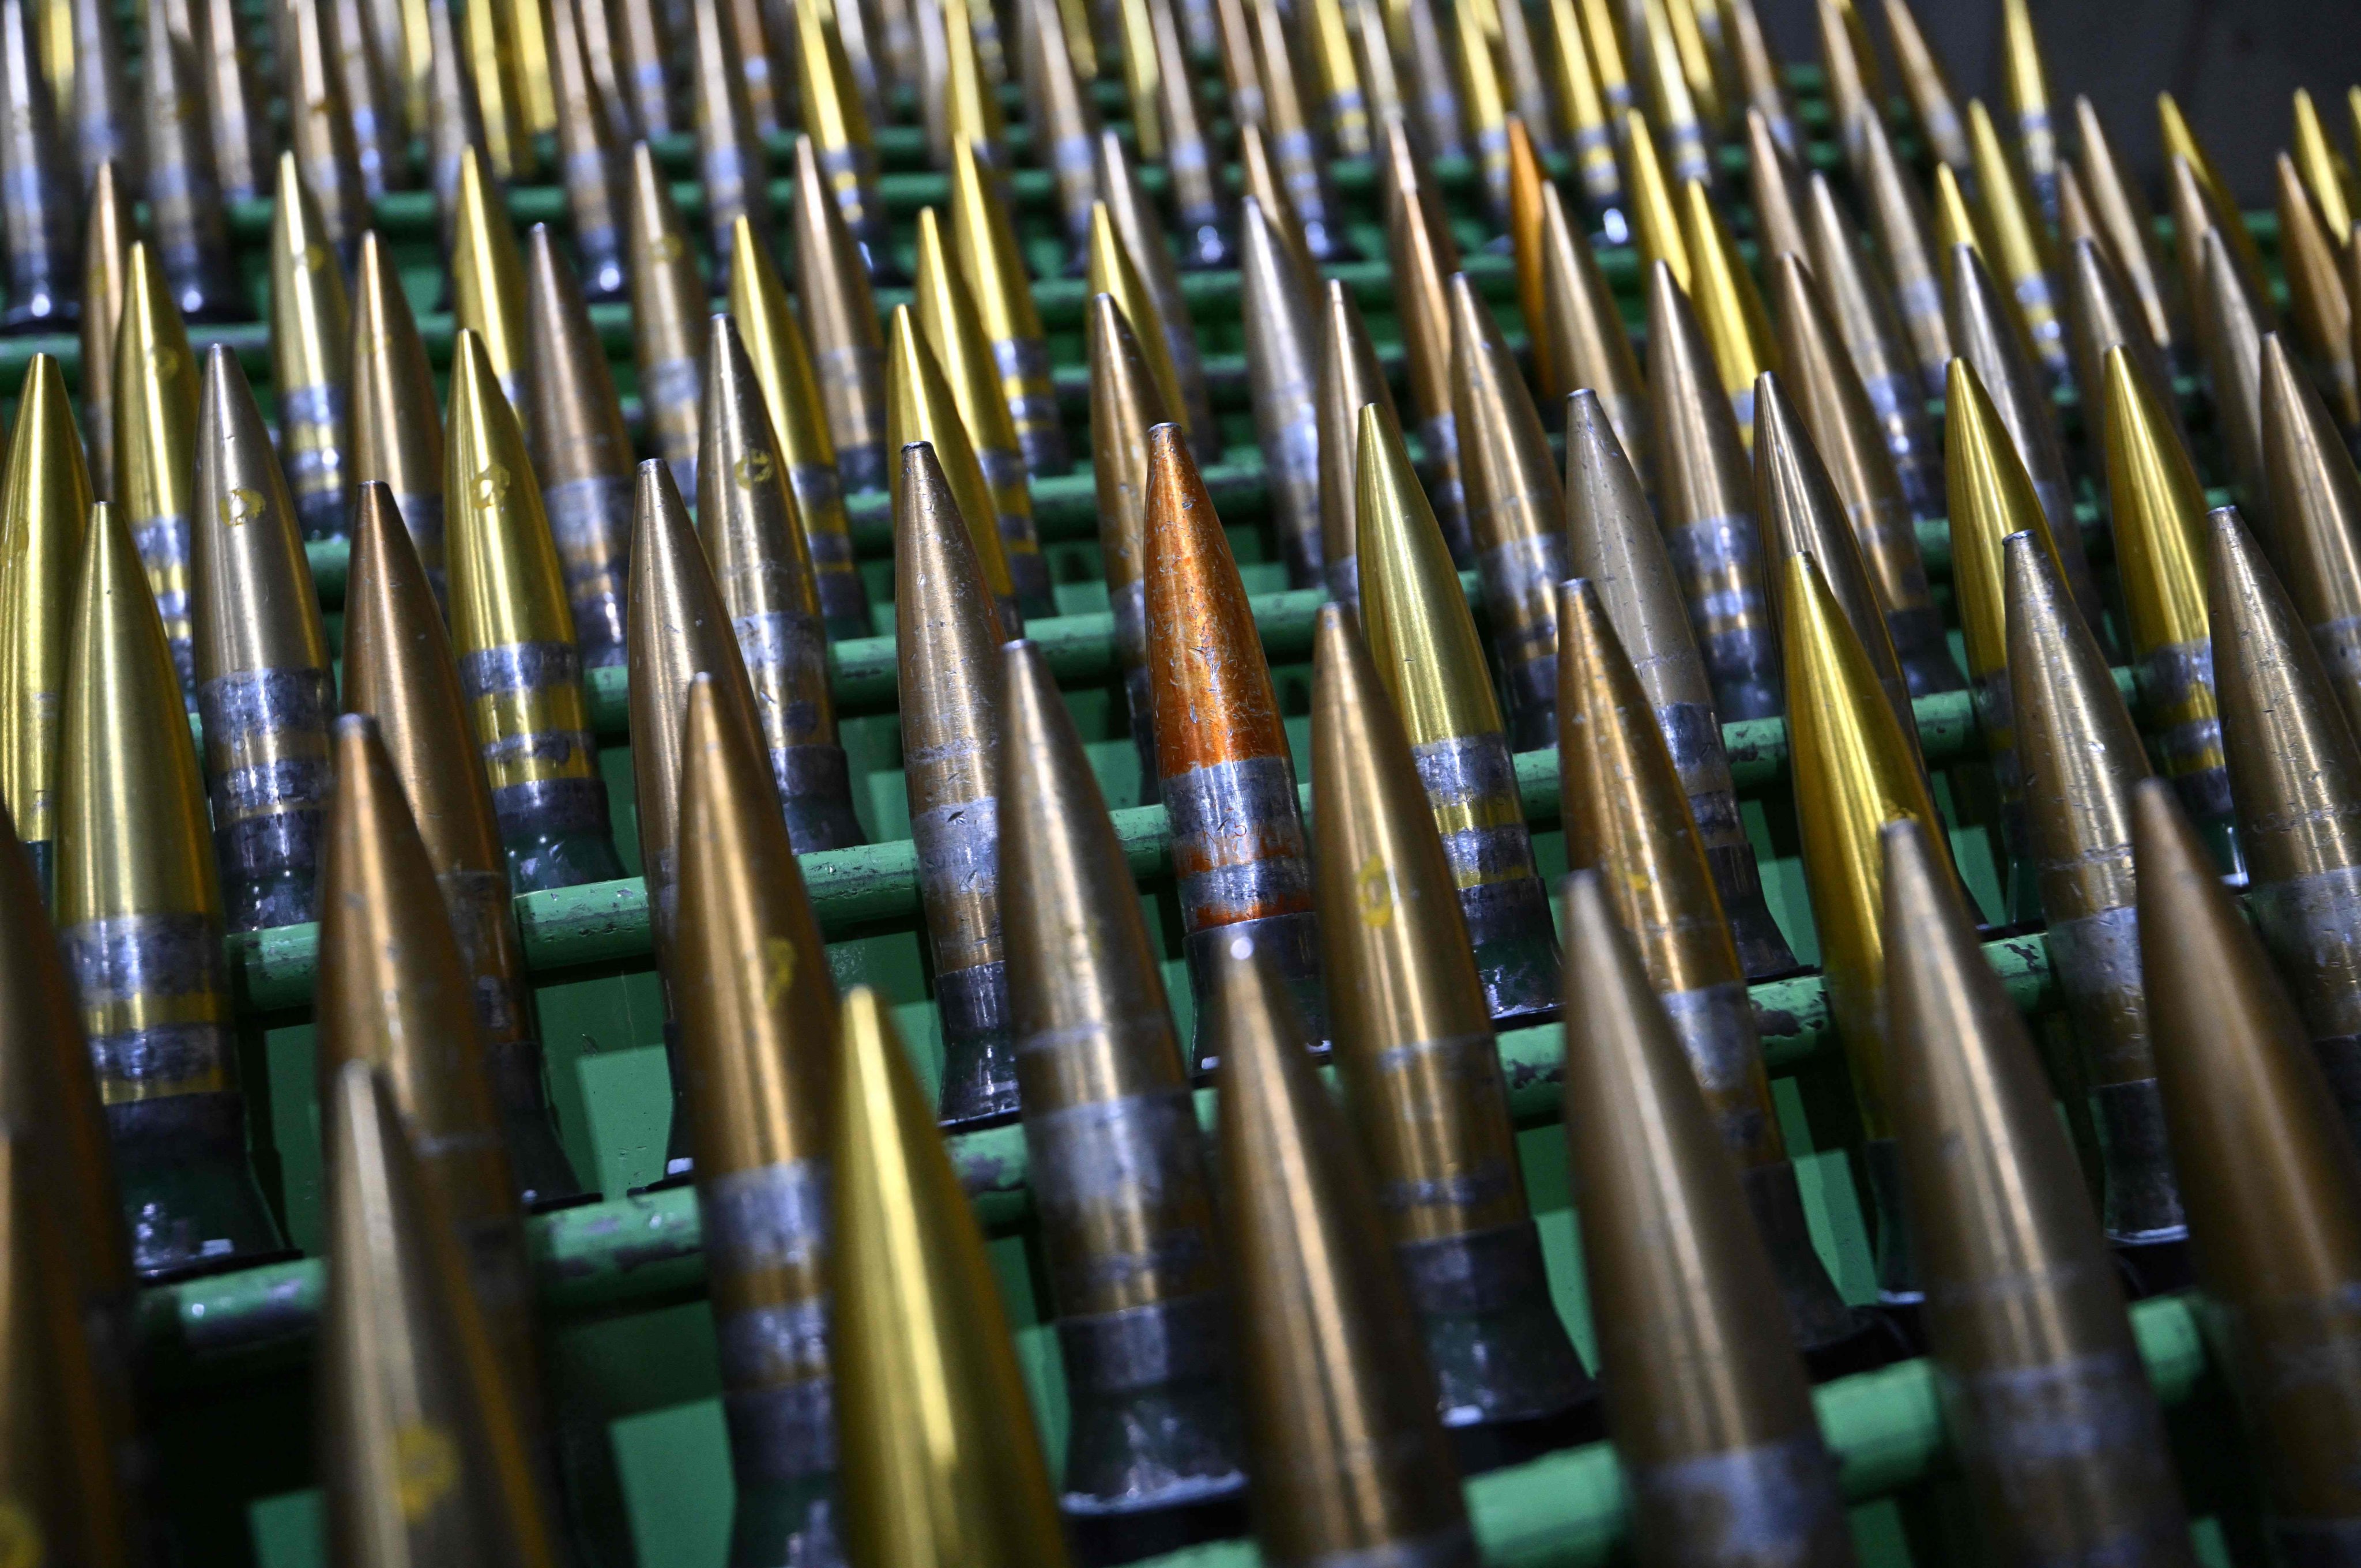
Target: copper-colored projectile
428 1458
1136 223
841 320
1424 642
1898 221
1591 125
311 358
155 444
1856 768
1424 258
947 633
107 233
1127 1217
320 125
1297 148
1705 499
2159 525
1589 344
1199 197
586 154
1282 363
730 161
2180 142
2031 111
993 267
582 453
2295 779
1705 1394
1222 757
2316 511
1349 379
1655 217
2120 205
1432 89
923 410
2230 339
399 671
1862 306
457 125
380 140
235 109
1527 180
44 510
519 662
669 308
488 280
1611 539
1932 104
2021 243
1344 107
1843 428
36 225
2079 756
1066 134
139 915
1125 406
2101 314
1414 1051
263 686
1346 1456
2311 258
783 366
2046 1394
2277 1240
186 211
946 315
397 431
643 62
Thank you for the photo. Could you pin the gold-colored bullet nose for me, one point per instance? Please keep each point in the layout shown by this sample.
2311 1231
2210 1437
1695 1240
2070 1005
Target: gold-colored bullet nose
669 308
1349 380
581 451
155 444
848 348
44 512
1282 364
311 358
2315 509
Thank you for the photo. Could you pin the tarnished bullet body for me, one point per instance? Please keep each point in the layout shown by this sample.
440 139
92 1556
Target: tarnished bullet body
265 690
837 130
2100 315
747 517
1862 309
2230 339
2196 209
1484 101
1283 366
2120 205
458 119
2295 780
1301 152
1705 1394
1413 1047
1855 770
1349 380
994 270
1728 308
581 451
380 141
398 669
99 105
642 46
487 281
1592 126
841 320
1344 108
2044 1394
155 446
186 201
1346 1459
1671 102
1932 105
1843 428
1424 257
107 233
1610 538
1431 94
2024 95
1124 1195
2180 143
948 635
397 431
1856 97
518 663
783 366
669 308
1777 189
44 512
1582 328
759 1055
732 166
940 1462
427 1459
311 359
1424 642
35 209
2078 756
1125 404
586 154
1066 140
1897 220
235 111
1759 74
2315 512
2277 1240
2311 260
139 915
1192 165
923 410
320 125
2021 242
1223 765
1141 228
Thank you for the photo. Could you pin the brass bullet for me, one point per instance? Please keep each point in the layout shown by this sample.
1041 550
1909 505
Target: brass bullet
311 358
235 111
155 444
2021 243
939 1461
2119 202
518 663
488 281
2310 259
1125 406
104 129
586 154
1295 146
924 410
1141 228
2180 142
1898 223
1116 270
2045 1393
1192 166
993 267
456 126
1434 97
1346 1459
2026 99
1866 318
1932 105
1282 366
968 101
1381 79
1671 106
1856 768
1582 326
34 223
1128 1215
1424 642
1959 220
2194 211
1758 73
1067 135
140 916
1705 495
1843 428
1349 379
948 635
1414 1046
730 163
581 452
399 671
320 126
1592 126
44 510
669 308
783 366
1656 218
494 66
2277 1241
2295 779
1137 35
1258 174
1727 303
1483 98
107 233
265 688
2230 339
1776 184
642 50
2160 517
1705 1394
428 1458
1510 29
1602 33
946 313
2101 314
1344 108
841 320
1424 257
380 140
2315 512
1611 540
2326 176
1224 773
1856 99
2079 757
397 431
